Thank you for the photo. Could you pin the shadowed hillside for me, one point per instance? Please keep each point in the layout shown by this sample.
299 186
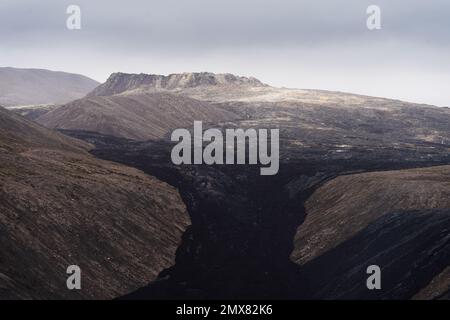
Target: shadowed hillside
346 219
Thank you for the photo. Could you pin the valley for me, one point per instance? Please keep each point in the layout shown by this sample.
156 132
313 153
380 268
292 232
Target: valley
361 181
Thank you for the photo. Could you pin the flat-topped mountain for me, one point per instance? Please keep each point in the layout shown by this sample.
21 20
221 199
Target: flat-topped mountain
121 82
60 206
39 86
398 220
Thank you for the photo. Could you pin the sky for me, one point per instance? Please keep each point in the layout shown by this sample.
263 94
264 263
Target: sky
314 44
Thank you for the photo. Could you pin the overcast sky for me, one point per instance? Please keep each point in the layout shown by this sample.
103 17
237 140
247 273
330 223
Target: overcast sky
321 44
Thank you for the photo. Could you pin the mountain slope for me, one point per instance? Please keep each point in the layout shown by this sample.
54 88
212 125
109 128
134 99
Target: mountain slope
342 213
39 86
134 116
232 88
60 206
412 249
121 82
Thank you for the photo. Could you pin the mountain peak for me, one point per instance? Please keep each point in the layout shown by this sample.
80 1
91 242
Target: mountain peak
120 82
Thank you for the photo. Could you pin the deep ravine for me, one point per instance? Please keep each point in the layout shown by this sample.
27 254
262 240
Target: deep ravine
243 224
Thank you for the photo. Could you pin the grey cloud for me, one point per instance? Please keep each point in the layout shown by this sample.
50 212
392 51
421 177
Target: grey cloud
286 42
225 23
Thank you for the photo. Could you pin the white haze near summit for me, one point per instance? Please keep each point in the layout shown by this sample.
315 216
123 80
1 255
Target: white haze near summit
299 44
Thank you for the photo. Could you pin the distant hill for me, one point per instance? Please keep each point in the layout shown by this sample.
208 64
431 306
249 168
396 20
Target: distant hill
60 206
135 116
39 86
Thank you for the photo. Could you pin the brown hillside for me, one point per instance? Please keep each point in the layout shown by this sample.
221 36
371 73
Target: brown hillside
60 206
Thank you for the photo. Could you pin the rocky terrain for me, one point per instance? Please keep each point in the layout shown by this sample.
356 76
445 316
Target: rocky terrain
60 206
241 242
362 180
38 86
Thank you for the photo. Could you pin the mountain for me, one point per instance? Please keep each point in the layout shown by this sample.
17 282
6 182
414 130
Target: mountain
399 220
60 206
134 116
150 106
39 86
229 88
121 82
241 242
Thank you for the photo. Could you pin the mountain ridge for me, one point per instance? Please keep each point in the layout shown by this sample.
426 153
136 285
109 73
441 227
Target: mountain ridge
28 86
119 82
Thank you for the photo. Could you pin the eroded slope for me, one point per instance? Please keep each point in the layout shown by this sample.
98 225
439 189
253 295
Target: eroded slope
60 206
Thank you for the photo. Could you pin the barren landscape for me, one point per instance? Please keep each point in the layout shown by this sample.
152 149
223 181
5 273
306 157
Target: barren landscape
362 181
